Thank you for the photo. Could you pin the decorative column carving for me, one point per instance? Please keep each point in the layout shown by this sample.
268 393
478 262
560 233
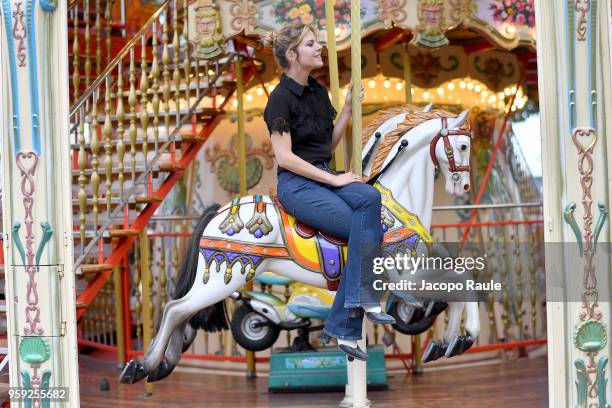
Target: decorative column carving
37 198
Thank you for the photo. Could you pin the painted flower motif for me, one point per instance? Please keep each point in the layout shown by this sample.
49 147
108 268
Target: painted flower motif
519 12
306 18
312 12
304 9
294 13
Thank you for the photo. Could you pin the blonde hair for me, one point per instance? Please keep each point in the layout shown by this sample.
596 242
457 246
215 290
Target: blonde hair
287 39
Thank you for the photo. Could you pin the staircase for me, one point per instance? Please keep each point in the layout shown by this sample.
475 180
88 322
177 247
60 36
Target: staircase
138 117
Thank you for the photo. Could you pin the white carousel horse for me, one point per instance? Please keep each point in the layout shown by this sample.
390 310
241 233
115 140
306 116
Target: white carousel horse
233 244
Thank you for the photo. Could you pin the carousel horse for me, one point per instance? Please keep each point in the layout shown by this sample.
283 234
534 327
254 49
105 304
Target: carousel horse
231 245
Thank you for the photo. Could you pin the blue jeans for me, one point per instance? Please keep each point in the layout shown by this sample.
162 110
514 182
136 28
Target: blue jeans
350 212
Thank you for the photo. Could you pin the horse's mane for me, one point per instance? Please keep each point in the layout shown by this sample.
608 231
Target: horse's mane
414 117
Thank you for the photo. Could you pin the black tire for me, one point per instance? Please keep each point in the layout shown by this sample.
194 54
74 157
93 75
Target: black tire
410 320
250 338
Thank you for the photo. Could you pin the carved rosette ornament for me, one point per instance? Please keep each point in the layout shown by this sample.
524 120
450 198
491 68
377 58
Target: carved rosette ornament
244 15
392 11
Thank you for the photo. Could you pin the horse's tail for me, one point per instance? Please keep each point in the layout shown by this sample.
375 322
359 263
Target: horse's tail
211 318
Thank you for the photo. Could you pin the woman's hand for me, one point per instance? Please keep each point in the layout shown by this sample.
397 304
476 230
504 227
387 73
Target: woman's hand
343 179
349 96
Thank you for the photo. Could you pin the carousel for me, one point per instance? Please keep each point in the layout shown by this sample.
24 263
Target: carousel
147 260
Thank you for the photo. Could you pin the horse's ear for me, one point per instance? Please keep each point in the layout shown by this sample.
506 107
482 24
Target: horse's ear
428 107
462 118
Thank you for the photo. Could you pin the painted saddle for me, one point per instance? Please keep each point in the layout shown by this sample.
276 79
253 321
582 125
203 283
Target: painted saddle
311 249
318 251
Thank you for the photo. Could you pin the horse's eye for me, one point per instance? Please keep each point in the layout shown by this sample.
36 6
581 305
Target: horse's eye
463 147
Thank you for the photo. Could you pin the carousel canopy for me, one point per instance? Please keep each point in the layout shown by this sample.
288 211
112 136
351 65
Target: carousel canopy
508 24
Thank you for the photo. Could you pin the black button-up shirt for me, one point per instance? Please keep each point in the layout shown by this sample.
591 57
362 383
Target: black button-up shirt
306 113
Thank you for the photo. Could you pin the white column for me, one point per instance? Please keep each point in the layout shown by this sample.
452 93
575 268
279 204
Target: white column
575 100
37 203
356 390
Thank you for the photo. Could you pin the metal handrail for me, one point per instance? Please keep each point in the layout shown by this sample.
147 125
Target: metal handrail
115 61
125 199
485 206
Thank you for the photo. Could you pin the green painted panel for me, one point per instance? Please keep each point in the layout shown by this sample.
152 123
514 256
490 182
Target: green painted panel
323 369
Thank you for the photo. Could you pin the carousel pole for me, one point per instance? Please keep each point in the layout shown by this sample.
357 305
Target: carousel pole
407 73
250 355
37 201
334 78
359 383
416 340
147 297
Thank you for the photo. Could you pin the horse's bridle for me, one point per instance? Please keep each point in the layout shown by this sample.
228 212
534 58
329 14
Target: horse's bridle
448 149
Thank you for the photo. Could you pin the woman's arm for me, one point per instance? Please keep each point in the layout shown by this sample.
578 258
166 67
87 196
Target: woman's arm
281 143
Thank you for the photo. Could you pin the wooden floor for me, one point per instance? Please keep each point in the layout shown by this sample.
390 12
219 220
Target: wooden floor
520 383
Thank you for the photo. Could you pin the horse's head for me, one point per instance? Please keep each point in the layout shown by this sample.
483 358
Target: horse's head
450 152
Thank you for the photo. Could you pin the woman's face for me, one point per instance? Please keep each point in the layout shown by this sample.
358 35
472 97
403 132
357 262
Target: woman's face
309 52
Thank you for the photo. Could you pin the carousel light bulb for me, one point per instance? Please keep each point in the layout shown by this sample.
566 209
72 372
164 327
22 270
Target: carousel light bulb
372 83
511 29
399 86
484 94
440 91
425 95
249 98
259 91
500 95
462 84
235 103
492 99
387 83
211 72
477 88
450 86
513 89
507 91
271 88
470 86
411 91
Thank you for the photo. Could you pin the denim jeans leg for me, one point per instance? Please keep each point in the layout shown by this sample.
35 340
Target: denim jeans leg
352 213
339 323
363 245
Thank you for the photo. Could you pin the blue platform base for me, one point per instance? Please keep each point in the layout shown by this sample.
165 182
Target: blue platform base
323 370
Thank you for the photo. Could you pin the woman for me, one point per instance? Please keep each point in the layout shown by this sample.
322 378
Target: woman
300 118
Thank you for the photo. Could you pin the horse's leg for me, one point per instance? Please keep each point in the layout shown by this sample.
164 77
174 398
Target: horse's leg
460 343
172 353
437 349
472 320
455 310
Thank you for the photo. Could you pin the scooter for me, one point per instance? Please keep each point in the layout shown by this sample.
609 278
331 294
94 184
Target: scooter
257 322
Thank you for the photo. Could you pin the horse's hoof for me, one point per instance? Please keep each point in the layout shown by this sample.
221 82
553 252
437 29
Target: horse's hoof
434 351
459 345
132 373
163 370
